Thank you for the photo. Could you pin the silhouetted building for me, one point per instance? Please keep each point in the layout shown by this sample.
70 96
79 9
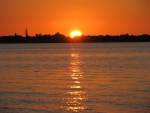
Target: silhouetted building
38 35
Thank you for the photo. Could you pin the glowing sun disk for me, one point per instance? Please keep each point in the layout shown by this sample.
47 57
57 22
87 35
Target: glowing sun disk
75 33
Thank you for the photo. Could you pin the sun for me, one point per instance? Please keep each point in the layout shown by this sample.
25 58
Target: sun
75 33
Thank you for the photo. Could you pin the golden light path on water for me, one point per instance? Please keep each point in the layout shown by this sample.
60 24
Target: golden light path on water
75 98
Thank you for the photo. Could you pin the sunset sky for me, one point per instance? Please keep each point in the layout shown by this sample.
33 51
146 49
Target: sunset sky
91 17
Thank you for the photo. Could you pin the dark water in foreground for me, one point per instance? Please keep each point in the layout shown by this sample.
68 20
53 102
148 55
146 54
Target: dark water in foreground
65 78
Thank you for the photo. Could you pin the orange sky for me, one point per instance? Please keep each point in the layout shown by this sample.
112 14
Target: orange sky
92 17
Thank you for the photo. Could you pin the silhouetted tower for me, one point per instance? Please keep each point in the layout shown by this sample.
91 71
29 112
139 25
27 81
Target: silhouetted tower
15 34
26 32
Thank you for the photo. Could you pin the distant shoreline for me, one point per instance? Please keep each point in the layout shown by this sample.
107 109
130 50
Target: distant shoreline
59 38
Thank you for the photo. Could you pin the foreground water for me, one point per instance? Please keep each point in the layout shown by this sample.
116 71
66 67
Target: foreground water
65 78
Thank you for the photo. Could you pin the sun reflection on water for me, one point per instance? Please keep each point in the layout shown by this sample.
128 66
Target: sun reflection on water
75 98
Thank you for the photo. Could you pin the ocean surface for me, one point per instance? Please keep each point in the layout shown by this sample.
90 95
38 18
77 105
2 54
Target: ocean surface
75 77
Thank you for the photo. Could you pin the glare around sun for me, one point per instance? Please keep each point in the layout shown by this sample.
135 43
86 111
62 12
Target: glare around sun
75 33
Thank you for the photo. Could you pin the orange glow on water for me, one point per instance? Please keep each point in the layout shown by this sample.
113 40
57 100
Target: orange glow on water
76 97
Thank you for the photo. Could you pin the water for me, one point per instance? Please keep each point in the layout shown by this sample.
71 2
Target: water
83 78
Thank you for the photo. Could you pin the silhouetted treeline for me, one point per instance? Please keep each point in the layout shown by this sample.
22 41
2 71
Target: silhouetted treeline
60 38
